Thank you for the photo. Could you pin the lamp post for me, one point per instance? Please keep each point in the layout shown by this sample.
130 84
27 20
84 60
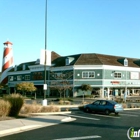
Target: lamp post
44 103
125 64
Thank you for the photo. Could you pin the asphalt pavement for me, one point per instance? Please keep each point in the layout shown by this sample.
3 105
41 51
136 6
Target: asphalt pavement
37 120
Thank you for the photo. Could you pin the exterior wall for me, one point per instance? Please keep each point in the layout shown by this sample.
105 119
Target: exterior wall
103 80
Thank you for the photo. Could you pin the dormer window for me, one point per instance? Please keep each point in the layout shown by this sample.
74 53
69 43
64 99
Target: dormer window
125 62
23 67
68 60
15 68
37 61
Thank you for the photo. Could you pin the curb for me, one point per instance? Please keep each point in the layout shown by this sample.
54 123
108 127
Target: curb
131 108
18 129
51 113
66 119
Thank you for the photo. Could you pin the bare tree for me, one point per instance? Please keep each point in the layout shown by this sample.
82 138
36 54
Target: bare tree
85 88
61 81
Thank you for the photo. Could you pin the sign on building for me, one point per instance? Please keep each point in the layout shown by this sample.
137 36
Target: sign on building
48 57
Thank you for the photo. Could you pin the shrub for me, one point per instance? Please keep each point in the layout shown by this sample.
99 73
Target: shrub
137 105
35 108
30 108
16 101
132 106
119 100
50 109
64 99
70 99
67 102
4 108
88 96
61 102
124 105
52 103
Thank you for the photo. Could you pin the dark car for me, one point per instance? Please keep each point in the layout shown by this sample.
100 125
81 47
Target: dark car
105 106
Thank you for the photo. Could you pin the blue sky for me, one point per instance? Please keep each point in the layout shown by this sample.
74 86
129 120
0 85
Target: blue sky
73 26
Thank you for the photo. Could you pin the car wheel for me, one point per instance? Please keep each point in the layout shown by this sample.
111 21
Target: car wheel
107 112
87 110
116 113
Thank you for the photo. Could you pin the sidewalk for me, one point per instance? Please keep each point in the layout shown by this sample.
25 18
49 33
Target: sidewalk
8 127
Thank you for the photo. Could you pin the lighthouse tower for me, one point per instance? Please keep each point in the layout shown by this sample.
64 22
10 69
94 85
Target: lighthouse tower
7 63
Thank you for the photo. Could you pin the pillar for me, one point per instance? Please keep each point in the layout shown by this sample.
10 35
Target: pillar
108 91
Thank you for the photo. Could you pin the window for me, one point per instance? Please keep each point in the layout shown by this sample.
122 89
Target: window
11 78
27 77
91 74
103 103
125 62
67 61
117 75
19 77
85 74
96 102
88 74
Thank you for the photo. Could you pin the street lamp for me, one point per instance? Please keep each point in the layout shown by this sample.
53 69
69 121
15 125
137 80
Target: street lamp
44 103
125 64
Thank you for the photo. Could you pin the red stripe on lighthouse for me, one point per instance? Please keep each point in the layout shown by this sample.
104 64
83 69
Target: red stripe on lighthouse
7 61
7 64
6 52
4 81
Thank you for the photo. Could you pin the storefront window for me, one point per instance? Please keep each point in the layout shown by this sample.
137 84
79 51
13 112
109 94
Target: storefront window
19 77
27 77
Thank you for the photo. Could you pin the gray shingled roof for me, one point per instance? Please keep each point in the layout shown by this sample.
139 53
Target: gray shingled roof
97 59
87 59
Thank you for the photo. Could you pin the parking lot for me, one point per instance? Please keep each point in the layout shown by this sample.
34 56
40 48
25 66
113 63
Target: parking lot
87 126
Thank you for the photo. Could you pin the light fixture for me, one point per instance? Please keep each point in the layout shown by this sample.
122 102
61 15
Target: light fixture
78 74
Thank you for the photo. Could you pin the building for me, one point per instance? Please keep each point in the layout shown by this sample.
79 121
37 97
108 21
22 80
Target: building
107 74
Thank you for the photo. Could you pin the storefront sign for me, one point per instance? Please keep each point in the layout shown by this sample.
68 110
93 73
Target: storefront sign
115 82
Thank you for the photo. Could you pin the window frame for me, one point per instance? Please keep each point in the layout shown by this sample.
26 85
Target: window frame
19 77
117 75
27 77
11 78
88 74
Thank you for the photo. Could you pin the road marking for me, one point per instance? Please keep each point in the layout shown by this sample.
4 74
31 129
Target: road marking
122 114
84 117
80 138
114 117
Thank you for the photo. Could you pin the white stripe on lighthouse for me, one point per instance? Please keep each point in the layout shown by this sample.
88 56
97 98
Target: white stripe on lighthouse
8 58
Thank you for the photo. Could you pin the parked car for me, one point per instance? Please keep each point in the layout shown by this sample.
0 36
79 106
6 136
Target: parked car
105 106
